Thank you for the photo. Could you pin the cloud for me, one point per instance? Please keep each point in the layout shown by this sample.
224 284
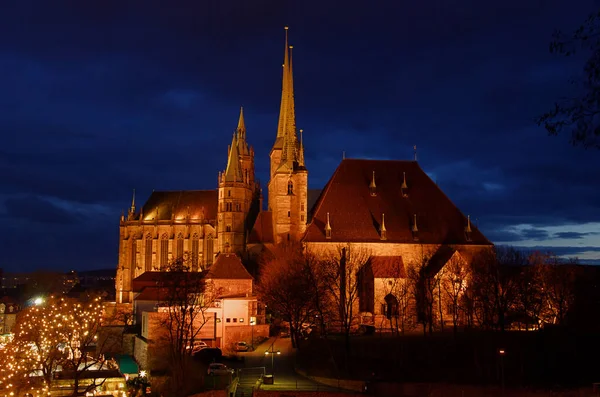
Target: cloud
573 235
38 210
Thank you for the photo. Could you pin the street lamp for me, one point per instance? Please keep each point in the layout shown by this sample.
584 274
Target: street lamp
272 353
252 324
502 352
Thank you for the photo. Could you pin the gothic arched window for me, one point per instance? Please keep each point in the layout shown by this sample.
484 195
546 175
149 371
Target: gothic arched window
209 249
195 252
179 252
148 253
290 188
164 250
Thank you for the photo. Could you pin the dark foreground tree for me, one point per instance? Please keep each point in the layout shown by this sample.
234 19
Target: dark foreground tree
289 287
579 115
184 298
340 272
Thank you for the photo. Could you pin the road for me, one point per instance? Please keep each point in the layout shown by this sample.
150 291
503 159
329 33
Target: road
280 365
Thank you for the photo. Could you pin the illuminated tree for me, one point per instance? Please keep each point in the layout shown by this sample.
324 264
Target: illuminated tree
454 284
55 339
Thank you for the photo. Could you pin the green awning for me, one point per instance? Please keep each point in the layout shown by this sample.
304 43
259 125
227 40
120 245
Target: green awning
127 364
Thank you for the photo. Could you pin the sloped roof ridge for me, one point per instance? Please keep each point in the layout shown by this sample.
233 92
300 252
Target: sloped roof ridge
455 206
319 201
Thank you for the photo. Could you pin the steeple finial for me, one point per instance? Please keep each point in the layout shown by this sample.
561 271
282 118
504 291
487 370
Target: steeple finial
372 186
301 150
328 228
132 209
382 229
468 228
241 125
415 229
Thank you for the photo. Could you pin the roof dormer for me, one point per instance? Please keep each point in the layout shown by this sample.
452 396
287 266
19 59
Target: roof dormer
328 229
404 187
468 230
415 229
372 186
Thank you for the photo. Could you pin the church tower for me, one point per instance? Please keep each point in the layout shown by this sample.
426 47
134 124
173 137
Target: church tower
238 193
288 184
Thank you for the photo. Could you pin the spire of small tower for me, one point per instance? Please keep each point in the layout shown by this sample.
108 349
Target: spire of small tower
382 229
301 150
233 172
404 185
241 128
415 229
372 186
468 228
132 209
328 228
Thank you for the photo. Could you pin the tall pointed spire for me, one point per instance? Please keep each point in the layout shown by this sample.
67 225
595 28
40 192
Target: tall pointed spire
233 172
290 141
284 93
241 128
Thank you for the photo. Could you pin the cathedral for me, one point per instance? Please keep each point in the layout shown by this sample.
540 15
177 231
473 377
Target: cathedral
390 208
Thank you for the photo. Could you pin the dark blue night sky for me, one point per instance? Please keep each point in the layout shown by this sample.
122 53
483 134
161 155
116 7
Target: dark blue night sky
100 97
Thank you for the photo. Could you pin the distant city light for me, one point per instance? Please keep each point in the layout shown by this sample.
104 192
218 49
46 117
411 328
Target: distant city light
38 301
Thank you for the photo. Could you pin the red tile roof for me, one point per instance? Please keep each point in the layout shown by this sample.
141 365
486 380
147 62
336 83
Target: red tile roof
199 204
153 279
228 266
388 267
355 215
262 232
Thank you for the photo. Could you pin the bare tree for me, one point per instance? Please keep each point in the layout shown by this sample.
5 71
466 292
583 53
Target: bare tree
454 283
184 300
579 115
494 284
558 285
341 273
289 287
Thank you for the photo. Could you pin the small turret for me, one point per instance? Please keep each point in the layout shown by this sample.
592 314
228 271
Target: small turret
382 229
328 228
372 186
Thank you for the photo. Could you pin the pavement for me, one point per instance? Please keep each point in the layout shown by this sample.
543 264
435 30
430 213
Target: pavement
281 366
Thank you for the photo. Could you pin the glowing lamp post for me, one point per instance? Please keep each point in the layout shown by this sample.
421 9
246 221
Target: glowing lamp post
252 324
272 353
502 353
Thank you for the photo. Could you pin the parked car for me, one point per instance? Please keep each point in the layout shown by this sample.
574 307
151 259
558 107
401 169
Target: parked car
197 346
241 347
219 369
209 355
